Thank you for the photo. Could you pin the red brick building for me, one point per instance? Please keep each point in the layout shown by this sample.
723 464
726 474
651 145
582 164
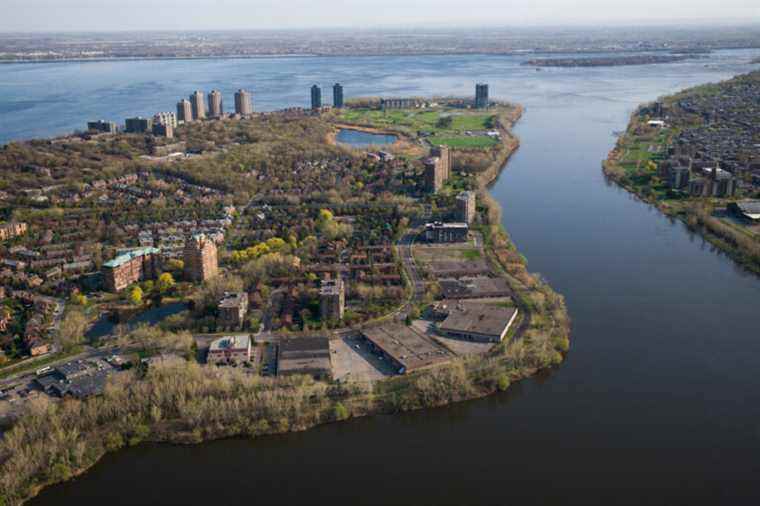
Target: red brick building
200 258
131 267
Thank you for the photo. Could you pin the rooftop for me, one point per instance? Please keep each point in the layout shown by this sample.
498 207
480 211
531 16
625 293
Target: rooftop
478 318
237 342
406 346
474 287
304 355
130 255
232 300
438 224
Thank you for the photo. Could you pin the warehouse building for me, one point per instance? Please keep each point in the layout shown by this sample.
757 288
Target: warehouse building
473 288
480 322
406 349
304 355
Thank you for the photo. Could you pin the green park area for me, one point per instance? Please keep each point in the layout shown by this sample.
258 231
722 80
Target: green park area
445 126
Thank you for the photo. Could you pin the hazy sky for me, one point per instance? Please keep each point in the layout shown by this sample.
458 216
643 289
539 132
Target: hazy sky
36 15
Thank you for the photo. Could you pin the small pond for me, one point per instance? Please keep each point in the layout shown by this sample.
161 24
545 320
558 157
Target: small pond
359 139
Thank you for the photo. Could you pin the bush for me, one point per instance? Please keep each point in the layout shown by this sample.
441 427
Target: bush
503 382
340 412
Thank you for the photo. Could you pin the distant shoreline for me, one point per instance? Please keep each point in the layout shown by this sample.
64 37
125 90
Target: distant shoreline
613 54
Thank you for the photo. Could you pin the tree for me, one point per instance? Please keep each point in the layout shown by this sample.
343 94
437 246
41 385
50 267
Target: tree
165 282
340 412
78 299
136 296
175 265
72 329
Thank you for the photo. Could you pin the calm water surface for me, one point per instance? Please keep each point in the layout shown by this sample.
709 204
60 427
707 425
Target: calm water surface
358 139
659 399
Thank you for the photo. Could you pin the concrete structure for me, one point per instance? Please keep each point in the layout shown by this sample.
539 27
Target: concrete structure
746 209
337 96
717 183
466 208
232 310
316 97
481 96
200 258
131 267
679 177
474 288
138 125
446 232
229 350
215 104
332 299
198 105
445 154
12 229
480 322
400 103
243 103
165 118
405 348
162 130
102 126
304 355
184 111
434 175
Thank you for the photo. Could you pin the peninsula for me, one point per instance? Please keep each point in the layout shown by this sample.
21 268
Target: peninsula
289 278
694 155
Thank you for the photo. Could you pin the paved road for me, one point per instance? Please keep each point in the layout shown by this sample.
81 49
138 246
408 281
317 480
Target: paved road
404 246
14 380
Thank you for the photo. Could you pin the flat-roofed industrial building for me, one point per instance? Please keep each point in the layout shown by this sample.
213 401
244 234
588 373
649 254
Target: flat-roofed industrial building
405 348
304 355
475 321
473 288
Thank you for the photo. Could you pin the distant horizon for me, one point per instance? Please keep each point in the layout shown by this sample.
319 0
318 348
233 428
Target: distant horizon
64 16
429 27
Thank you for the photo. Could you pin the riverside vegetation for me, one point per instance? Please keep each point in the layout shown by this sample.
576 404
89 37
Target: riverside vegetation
643 156
181 401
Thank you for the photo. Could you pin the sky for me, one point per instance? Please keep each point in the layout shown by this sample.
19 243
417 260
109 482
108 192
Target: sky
112 15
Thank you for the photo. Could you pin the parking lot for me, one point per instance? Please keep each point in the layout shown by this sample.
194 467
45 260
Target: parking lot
352 359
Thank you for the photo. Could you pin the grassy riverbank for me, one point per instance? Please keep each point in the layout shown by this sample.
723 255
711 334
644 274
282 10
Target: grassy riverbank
672 149
633 165
184 402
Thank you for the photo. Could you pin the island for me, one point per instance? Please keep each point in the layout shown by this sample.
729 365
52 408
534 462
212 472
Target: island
695 156
609 61
219 275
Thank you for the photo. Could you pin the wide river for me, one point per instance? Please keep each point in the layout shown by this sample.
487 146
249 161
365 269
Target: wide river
658 401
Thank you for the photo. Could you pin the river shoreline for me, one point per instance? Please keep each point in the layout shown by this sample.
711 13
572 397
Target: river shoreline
691 214
485 375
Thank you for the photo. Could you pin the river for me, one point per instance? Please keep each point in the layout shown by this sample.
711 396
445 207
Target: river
658 401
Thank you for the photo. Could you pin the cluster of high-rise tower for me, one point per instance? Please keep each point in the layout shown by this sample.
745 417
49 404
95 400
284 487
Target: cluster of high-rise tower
198 106
316 96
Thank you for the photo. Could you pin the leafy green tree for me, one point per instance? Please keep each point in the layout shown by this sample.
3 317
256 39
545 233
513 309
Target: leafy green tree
165 282
136 296
503 382
340 412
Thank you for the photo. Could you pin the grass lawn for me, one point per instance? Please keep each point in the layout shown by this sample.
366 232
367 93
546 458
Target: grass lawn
464 142
414 120
471 254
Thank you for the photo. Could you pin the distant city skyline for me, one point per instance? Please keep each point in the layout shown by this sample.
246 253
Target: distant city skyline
117 15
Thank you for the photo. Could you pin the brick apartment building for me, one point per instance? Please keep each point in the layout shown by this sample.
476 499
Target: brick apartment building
200 258
131 267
